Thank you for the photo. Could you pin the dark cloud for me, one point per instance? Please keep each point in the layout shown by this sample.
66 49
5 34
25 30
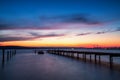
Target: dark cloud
56 22
51 35
99 32
83 34
3 39
118 29
87 33
73 18
108 31
37 35
34 36
102 32
5 26
45 22
81 18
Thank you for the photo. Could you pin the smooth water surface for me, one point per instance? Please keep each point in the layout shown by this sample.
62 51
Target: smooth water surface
29 66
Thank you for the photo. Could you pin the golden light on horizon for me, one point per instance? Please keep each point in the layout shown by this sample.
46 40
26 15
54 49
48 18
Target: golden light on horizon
69 41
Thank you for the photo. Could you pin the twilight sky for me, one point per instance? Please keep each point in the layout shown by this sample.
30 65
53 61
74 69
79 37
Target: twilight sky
70 23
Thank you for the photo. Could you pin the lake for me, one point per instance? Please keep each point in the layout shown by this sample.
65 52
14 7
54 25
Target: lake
26 65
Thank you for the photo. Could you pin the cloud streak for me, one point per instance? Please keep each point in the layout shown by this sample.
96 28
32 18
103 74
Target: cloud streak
83 34
73 18
4 39
118 29
99 32
81 18
102 32
109 31
33 36
53 22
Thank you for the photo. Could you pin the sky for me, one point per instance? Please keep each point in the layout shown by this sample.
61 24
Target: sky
60 23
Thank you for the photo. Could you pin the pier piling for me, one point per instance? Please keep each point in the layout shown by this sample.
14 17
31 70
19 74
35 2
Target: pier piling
111 61
75 54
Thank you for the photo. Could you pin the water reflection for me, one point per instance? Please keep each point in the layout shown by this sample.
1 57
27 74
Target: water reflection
3 58
6 56
3 62
29 66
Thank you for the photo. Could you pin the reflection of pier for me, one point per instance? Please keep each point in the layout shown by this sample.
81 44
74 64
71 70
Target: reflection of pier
76 54
6 56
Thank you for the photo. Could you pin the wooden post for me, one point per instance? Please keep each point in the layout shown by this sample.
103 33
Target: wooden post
67 54
99 59
14 52
63 54
95 58
7 55
90 57
10 53
3 58
35 51
111 61
3 55
85 56
72 55
58 52
77 55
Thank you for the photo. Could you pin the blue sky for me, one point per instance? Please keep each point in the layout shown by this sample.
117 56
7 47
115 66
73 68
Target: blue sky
12 10
53 18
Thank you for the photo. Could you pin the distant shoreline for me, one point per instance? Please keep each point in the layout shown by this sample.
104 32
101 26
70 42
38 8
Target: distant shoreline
23 47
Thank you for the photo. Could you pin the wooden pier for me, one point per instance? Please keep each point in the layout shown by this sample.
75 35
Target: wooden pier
7 55
97 55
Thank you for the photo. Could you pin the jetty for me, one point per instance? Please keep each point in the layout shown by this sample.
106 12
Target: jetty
77 53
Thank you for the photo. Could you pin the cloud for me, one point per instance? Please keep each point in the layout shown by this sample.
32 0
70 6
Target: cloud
99 32
83 34
52 22
108 31
5 26
37 35
34 34
118 29
102 32
81 18
74 19
4 38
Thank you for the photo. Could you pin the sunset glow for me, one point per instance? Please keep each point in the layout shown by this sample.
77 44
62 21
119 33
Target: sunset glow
60 24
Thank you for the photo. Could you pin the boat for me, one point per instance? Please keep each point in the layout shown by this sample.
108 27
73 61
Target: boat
40 52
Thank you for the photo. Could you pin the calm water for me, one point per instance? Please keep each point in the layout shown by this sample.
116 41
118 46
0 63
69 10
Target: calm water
29 66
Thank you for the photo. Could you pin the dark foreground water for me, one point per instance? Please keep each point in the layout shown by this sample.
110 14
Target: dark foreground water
29 66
